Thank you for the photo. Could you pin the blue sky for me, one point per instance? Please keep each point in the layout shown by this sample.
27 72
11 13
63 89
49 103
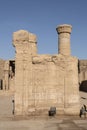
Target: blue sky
41 17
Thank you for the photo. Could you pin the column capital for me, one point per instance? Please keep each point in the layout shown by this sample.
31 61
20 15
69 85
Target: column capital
64 28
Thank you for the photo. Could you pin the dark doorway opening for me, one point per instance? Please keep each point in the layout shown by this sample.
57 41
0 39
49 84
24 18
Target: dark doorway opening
1 84
83 86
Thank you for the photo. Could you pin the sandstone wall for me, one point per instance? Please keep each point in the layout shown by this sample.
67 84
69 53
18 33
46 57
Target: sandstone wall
55 83
43 81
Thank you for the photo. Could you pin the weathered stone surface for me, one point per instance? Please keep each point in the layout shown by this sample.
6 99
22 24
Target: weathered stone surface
64 32
56 79
43 81
20 36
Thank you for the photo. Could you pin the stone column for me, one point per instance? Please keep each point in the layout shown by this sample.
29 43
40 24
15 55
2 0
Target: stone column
22 41
64 32
6 76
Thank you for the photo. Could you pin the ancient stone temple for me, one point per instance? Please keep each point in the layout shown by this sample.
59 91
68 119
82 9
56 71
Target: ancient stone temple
44 81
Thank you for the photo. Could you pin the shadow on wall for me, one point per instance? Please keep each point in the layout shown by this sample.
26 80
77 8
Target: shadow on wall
83 86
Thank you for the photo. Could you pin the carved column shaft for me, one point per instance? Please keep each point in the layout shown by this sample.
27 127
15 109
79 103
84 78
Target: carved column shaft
64 32
6 76
22 41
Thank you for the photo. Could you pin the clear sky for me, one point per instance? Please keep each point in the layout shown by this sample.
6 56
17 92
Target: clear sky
41 17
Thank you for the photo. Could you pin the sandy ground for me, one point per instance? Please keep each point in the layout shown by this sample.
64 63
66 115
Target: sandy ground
43 123
10 122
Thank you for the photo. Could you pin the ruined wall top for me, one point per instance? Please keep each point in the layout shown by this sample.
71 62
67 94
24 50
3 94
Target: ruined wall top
23 36
65 28
25 41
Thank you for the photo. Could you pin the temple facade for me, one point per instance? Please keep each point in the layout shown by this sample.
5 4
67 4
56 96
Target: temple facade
40 82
